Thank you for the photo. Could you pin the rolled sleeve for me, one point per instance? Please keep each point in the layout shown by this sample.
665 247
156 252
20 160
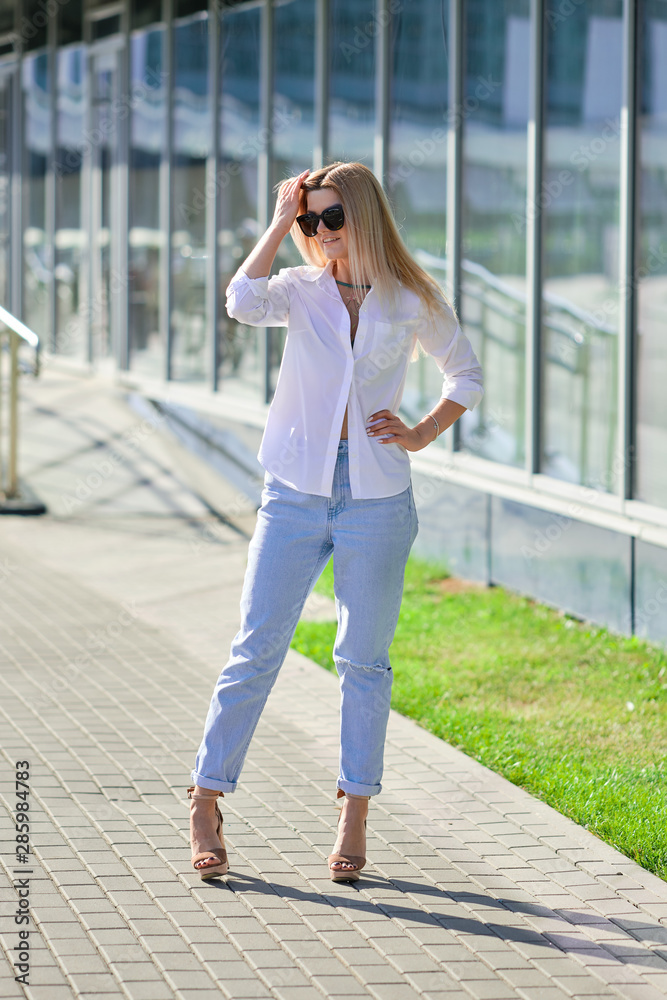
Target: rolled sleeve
445 341
259 301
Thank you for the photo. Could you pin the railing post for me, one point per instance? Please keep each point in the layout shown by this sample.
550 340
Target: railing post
2 416
12 499
534 239
12 479
455 174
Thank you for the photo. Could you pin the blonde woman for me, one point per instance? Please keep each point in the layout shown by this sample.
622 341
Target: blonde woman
337 478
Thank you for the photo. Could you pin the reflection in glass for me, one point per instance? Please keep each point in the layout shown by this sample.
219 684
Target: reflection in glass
651 482
70 23
147 132
293 129
580 202
240 350
493 205
108 285
70 240
37 259
5 185
352 97
32 24
7 17
191 142
417 174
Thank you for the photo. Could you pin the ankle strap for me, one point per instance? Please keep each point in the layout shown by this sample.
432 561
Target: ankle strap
340 793
202 793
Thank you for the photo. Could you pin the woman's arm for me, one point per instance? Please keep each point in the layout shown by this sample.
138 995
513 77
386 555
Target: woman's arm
258 263
253 297
446 413
462 376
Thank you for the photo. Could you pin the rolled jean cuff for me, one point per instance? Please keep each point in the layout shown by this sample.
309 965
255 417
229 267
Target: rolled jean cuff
353 788
212 783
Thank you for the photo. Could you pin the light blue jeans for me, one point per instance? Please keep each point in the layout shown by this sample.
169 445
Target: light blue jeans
295 535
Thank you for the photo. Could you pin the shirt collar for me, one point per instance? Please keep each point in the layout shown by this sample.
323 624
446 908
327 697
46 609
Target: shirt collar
315 273
323 276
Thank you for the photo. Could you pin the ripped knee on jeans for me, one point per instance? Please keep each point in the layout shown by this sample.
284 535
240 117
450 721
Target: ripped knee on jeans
374 667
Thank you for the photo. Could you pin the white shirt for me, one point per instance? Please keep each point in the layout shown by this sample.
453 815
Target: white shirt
322 372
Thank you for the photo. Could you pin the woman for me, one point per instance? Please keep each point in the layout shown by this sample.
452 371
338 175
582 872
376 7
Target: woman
337 478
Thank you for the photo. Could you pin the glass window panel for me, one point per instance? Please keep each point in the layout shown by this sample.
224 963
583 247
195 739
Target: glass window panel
33 25
240 346
184 8
417 175
70 22
493 204
144 13
580 203
70 239
651 480
352 95
36 248
7 11
147 137
293 129
105 305
102 27
6 80
191 144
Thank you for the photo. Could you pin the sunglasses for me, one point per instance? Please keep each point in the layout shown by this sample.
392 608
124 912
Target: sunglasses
332 217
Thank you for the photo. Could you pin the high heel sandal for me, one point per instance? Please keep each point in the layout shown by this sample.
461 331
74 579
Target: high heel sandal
210 871
342 874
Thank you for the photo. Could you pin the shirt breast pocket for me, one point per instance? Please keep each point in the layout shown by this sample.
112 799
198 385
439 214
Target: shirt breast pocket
387 344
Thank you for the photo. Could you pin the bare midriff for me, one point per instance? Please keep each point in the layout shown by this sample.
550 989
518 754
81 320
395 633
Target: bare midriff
353 310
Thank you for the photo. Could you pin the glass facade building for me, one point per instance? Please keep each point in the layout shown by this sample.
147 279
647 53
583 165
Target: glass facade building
523 145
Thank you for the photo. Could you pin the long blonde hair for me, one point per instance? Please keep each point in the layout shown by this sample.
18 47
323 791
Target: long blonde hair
377 253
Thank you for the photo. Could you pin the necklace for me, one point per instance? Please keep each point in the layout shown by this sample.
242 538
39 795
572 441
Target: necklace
351 286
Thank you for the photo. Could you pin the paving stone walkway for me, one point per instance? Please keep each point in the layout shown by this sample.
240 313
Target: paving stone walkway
116 616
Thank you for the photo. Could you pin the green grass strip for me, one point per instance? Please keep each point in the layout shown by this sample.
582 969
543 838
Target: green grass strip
571 712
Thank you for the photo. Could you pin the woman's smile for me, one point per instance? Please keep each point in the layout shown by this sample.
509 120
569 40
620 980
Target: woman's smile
332 242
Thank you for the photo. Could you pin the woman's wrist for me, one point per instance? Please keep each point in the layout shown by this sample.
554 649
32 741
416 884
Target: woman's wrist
426 429
278 229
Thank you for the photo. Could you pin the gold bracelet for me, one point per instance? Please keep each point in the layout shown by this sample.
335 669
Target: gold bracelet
437 425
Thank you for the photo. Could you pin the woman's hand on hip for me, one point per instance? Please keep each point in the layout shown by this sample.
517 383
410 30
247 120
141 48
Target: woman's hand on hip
287 203
384 422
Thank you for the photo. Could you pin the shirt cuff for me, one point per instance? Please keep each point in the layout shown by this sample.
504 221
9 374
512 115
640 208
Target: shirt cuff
465 397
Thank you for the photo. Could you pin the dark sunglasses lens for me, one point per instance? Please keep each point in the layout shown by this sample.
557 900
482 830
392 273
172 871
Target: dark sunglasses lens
308 223
333 218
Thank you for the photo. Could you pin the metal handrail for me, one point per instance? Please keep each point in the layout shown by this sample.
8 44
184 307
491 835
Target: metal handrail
573 326
17 331
491 281
8 319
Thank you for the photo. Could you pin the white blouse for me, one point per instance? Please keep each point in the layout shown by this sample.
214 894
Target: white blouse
322 372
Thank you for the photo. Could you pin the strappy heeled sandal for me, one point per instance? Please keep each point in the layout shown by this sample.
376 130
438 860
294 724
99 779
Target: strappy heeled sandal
345 874
219 853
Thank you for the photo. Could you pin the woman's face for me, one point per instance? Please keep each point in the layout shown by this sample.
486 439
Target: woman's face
334 245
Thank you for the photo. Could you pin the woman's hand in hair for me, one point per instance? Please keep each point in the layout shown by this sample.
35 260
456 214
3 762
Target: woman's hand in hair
384 422
287 203
260 259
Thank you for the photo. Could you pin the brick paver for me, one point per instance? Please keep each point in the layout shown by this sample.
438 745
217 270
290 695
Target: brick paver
116 617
